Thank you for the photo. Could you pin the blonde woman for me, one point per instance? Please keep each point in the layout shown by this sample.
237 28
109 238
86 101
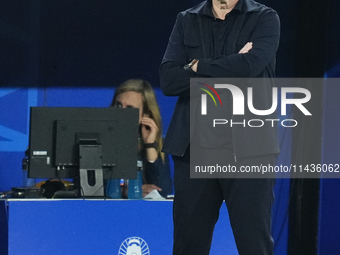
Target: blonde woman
139 94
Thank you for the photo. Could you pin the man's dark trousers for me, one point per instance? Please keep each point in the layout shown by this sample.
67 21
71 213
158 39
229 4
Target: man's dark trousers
197 204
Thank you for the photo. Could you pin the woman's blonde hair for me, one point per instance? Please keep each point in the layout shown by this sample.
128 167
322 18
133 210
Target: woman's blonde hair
150 105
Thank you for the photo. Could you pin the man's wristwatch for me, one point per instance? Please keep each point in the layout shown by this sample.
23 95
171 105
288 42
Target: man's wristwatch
151 145
190 64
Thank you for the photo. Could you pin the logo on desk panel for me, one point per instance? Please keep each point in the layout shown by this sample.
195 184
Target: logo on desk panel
134 246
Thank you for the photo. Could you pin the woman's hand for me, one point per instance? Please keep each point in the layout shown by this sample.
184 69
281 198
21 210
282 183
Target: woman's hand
149 130
147 188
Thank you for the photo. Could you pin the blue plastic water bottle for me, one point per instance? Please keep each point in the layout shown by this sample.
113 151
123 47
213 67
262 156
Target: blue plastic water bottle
135 185
113 189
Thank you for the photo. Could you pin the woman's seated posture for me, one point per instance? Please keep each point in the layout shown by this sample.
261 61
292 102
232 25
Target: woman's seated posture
156 171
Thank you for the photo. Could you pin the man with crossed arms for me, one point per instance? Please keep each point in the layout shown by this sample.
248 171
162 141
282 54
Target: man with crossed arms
221 39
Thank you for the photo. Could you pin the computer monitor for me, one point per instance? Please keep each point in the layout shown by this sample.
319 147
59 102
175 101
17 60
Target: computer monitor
85 144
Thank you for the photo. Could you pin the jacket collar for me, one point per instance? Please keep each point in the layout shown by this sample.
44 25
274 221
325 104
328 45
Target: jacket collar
242 6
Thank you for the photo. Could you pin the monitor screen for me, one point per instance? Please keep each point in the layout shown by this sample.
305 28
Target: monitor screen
56 134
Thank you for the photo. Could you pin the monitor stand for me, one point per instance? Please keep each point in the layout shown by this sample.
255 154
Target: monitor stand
90 170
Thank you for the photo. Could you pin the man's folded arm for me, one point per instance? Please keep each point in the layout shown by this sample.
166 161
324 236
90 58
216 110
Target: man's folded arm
173 78
265 39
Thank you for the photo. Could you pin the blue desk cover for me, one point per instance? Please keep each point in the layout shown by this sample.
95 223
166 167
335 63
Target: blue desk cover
97 227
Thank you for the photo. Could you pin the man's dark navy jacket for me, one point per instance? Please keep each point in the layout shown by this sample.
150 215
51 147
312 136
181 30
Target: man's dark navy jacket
254 23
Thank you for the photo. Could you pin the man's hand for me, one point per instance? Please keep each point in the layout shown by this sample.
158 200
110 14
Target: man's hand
246 48
194 66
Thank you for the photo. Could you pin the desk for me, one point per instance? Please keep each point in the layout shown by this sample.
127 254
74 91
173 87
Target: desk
95 227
